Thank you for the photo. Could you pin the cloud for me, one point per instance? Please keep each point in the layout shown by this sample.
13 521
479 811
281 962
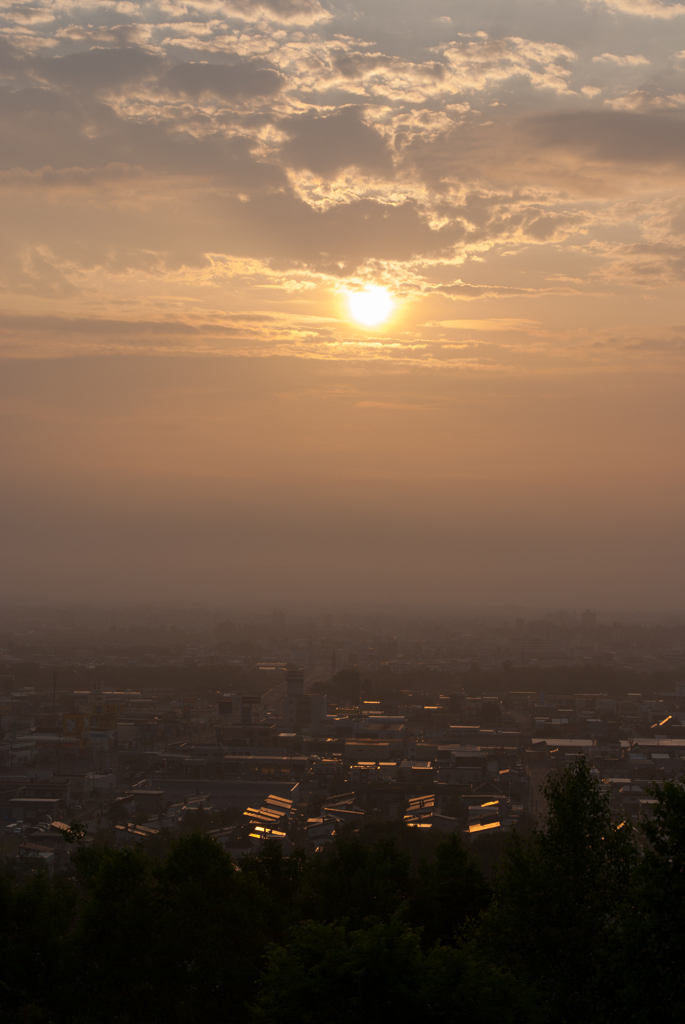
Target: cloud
70 176
464 290
27 14
462 65
626 61
642 100
616 136
104 327
299 12
648 264
99 68
646 8
12 59
645 344
50 336
490 324
137 34
285 12
229 81
42 127
329 153
482 61
328 144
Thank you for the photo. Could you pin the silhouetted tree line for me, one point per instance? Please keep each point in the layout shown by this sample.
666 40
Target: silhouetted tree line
583 922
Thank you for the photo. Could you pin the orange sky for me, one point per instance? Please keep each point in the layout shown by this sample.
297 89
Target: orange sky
191 192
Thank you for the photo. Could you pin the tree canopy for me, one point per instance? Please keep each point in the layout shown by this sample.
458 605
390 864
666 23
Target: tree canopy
582 923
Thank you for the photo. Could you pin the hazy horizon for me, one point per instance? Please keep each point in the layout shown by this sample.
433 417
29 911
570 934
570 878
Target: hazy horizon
385 615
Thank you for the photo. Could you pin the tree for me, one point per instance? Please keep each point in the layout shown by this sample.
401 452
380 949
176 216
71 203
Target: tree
558 896
277 879
354 880
37 915
114 944
171 941
651 953
327 974
76 831
451 891
211 934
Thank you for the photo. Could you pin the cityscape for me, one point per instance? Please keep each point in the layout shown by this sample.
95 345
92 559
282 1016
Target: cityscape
132 719
316 804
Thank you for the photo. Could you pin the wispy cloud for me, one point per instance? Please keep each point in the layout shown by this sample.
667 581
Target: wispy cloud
197 158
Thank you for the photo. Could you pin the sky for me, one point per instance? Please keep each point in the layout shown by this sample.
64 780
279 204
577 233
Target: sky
198 198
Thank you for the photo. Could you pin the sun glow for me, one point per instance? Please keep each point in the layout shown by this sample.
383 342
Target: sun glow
371 306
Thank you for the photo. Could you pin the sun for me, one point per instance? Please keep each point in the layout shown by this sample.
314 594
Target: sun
370 307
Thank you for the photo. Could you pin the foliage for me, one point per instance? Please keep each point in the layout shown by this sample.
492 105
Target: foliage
75 832
36 915
653 934
356 881
450 893
328 974
581 923
561 887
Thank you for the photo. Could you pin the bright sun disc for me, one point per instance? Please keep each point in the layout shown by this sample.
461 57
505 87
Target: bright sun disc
371 306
